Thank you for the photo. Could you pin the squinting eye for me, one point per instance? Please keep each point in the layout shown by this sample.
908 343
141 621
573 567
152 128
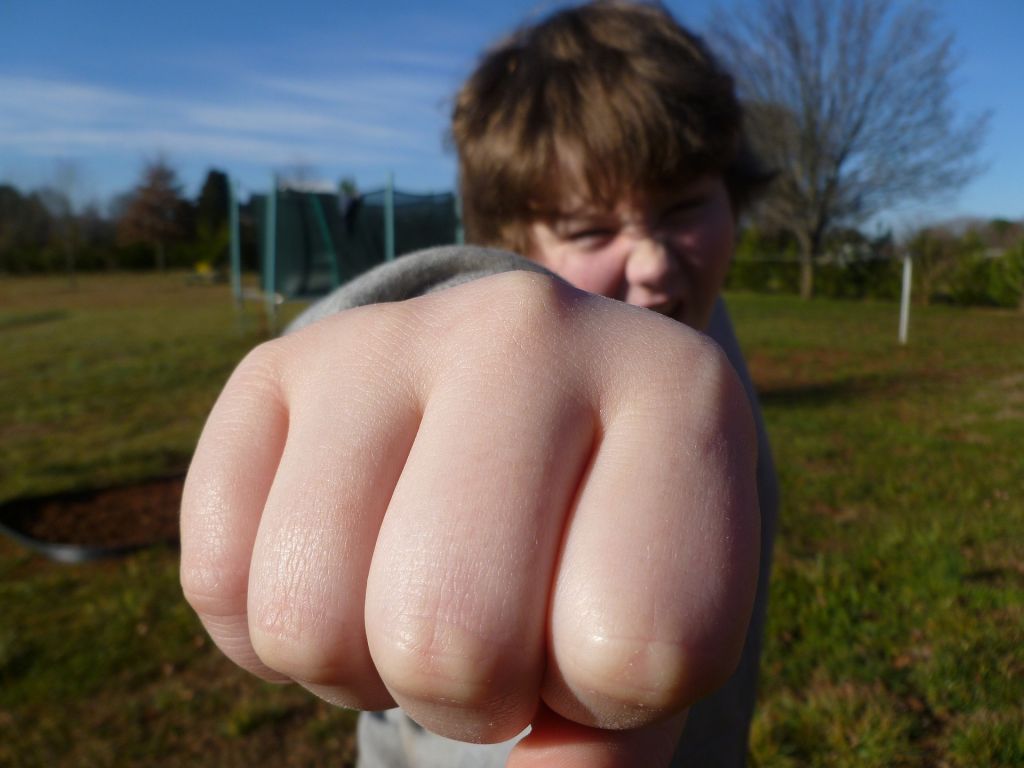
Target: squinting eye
591 234
683 209
591 238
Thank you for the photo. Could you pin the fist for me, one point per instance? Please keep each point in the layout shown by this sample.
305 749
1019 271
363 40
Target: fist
509 502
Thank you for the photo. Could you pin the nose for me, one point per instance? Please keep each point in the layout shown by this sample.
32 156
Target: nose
650 266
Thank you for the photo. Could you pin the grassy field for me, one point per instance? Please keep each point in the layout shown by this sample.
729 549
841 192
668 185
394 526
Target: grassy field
896 630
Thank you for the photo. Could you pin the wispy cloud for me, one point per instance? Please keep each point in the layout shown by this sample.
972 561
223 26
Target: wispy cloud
26 98
291 123
182 143
430 60
382 94
266 121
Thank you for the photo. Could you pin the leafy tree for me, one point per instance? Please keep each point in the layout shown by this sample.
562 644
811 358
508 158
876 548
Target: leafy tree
850 101
212 204
11 203
1002 234
935 252
25 231
986 274
153 212
763 261
211 218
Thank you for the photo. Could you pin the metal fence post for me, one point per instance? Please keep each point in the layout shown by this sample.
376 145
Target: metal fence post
905 298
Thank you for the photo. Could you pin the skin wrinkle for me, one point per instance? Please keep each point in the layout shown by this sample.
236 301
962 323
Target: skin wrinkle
290 611
498 547
377 371
306 605
626 361
211 531
497 323
424 601
502 702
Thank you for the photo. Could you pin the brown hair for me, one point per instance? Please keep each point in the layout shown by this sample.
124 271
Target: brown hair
609 97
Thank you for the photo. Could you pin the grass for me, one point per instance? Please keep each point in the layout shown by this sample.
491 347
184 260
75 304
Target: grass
896 623
104 664
111 381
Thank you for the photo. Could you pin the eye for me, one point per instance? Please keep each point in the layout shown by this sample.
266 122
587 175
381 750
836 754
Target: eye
592 234
683 209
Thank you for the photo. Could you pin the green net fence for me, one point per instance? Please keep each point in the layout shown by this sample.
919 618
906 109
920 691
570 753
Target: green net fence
313 242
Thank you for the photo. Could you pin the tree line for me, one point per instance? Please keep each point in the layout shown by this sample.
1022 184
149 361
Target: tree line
976 262
153 226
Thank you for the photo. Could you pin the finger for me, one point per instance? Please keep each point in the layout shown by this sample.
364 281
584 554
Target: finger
466 550
344 454
554 742
658 568
225 491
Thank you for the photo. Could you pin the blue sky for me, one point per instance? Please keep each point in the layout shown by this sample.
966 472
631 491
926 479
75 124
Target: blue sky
343 88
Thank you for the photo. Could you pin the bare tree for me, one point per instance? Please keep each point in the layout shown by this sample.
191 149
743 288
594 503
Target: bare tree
850 101
151 213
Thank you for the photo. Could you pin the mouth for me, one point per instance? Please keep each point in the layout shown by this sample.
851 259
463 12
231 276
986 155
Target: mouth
672 308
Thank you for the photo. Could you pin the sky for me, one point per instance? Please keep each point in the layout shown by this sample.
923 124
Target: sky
91 91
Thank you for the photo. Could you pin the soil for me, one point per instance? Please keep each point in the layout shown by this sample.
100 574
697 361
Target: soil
111 518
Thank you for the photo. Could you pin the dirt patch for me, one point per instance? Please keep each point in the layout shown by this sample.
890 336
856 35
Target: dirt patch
113 518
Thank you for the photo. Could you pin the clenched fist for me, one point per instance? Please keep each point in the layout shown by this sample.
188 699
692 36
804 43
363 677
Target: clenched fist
503 504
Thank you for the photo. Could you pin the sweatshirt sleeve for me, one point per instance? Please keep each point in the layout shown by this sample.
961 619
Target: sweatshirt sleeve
415 274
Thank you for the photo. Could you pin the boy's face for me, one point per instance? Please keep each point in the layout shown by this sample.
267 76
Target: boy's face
669 253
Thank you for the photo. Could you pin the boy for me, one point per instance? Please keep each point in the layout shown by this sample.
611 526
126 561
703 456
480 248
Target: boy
509 502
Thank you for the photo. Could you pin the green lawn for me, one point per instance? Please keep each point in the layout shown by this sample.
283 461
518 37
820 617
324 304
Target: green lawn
897 617
896 622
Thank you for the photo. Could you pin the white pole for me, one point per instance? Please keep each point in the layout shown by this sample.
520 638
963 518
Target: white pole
905 298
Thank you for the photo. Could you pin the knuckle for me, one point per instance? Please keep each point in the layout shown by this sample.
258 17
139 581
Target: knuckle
704 362
256 376
711 384
213 592
626 682
635 673
530 289
292 644
448 666
517 338
261 363
518 315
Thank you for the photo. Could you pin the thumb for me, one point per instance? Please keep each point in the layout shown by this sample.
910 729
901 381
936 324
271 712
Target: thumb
554 742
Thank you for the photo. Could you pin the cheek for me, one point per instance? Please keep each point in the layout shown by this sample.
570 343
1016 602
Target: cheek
595 272
600 273
707 250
